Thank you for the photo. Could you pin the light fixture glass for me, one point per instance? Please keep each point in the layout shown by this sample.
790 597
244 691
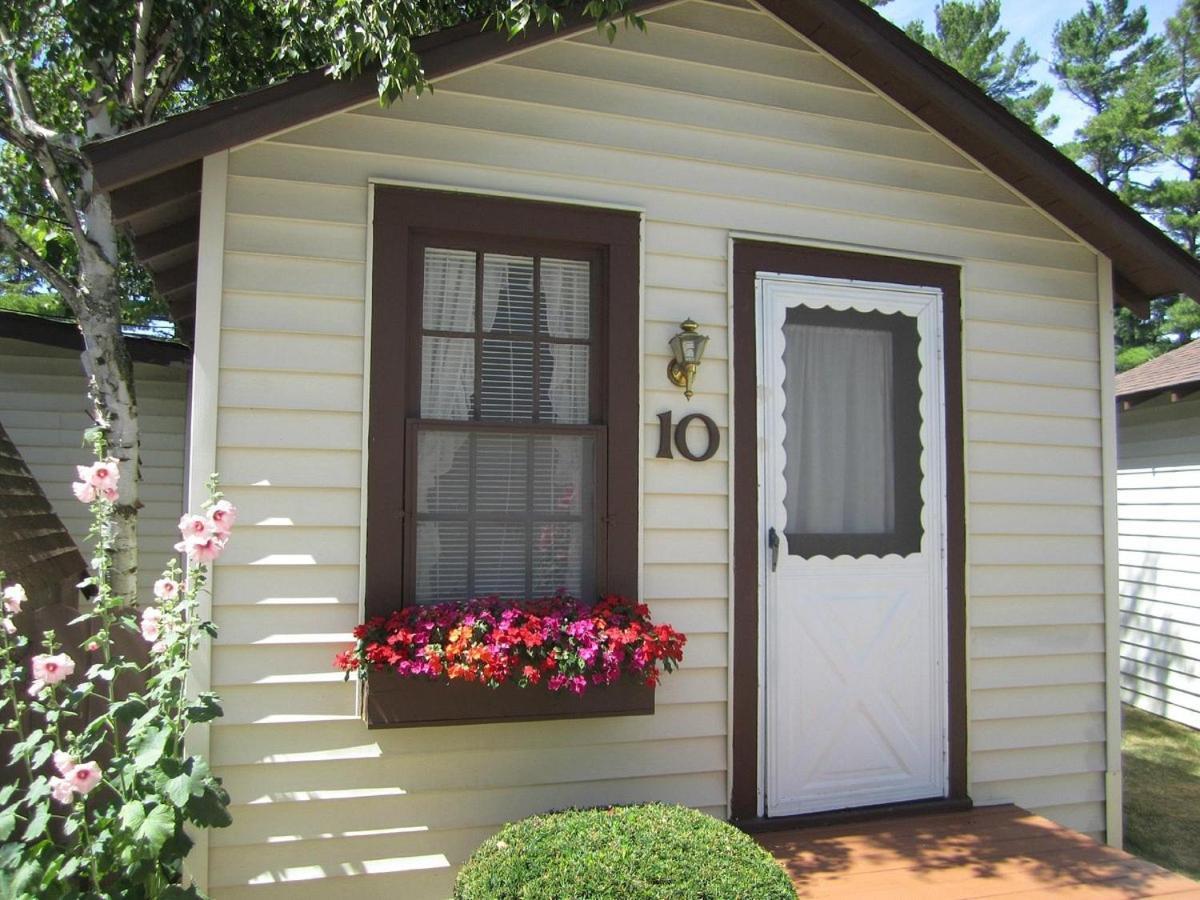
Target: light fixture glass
687 349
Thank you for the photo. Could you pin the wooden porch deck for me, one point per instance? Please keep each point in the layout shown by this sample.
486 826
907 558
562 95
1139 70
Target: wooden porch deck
998 851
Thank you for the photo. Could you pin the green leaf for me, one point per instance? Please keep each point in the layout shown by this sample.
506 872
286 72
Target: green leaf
150 748
132 815
182 787
209 809
37 823
205 709
8 822
158 825
177 892
125 711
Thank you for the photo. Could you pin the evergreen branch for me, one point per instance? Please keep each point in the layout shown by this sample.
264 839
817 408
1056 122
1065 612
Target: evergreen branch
11 240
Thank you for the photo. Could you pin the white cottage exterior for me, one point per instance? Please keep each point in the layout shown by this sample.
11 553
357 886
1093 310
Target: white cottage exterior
762 172
1159 440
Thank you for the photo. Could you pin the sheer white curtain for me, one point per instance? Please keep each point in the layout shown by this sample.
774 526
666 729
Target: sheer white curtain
840 470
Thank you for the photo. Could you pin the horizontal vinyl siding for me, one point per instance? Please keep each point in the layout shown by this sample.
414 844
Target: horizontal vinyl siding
1159 504
44 404
717 120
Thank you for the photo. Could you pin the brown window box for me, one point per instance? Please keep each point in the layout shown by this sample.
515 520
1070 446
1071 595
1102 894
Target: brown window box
396 702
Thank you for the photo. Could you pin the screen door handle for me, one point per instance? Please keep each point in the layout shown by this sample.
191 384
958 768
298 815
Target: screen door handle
773 543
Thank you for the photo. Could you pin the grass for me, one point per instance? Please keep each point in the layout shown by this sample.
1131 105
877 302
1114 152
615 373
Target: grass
1162 791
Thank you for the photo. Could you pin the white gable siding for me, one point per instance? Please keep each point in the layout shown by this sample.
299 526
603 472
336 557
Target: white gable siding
1159 495
719 119
43 405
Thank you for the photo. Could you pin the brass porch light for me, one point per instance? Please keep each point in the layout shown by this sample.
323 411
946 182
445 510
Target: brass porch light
688 349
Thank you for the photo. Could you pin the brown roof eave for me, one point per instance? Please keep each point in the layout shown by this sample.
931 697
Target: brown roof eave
1149 263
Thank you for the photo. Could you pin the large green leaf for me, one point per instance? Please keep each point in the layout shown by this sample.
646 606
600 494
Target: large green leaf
156 828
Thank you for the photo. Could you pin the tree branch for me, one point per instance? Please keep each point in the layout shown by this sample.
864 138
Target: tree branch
162 87
21 103
10 239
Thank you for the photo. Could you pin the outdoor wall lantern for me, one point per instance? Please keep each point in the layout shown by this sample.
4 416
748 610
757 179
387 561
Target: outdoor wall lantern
687 348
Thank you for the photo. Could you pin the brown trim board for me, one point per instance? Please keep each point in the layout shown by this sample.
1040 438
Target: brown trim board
749 258
65 334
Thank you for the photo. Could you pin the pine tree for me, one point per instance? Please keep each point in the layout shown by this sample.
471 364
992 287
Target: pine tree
967 35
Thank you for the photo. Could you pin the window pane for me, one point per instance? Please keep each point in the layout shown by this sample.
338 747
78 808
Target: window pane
564 383
441 552
558 563
477 532
447 377
449 301
506 391
507 293
852 443
566 294
562 475
443 471
501 473
500 560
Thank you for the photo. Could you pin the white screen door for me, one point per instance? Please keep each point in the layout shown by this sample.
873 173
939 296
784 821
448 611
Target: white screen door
853 583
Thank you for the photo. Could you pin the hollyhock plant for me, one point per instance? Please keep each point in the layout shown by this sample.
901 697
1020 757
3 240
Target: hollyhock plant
105 792
561 642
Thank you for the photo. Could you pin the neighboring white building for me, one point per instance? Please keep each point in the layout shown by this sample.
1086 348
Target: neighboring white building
44 407
853 225
1159 484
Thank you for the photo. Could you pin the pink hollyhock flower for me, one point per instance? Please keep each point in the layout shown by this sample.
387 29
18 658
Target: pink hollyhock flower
194 528
92 647
64 763
222 516
14 597
166 589
84 492
101 474
158 647
61 789
84 777
203 550
52 669
8 626
108 493
151 623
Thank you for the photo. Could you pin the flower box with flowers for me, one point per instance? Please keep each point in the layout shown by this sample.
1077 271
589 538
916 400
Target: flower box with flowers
490 660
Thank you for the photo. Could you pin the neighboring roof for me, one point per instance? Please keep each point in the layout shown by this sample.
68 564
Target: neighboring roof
1178 369
36 550
65 333
154 173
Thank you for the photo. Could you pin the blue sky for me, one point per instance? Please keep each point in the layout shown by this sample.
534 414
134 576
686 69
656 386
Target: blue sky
1034 20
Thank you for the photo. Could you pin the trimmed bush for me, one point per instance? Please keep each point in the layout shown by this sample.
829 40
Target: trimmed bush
650 852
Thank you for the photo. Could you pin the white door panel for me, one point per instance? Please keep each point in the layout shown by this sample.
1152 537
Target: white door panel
855 683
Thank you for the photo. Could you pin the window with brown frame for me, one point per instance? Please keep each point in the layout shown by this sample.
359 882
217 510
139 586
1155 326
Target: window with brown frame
503 412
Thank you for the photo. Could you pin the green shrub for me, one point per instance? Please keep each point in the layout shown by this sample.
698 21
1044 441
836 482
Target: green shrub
650 852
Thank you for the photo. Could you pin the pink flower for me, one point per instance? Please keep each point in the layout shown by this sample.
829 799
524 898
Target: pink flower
84 492
63 763
222 516
204 550
8 626
92 646
151 623
166 589
194 528
158 647
14 596
85 776
108 493
61 789
52 669
101 474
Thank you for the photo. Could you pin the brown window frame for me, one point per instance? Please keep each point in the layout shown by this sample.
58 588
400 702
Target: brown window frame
404 221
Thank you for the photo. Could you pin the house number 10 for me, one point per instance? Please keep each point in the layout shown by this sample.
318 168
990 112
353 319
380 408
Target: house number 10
681 443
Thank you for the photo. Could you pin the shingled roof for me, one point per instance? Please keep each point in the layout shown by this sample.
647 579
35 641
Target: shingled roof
154 173
1177 370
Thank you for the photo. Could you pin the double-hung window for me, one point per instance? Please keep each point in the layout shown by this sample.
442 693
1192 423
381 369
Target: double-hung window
503 400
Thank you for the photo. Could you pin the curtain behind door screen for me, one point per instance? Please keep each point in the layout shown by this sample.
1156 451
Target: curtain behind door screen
839 445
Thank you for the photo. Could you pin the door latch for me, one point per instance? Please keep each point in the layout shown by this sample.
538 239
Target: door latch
773 543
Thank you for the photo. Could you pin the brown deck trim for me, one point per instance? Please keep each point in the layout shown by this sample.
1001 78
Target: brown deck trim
750 257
